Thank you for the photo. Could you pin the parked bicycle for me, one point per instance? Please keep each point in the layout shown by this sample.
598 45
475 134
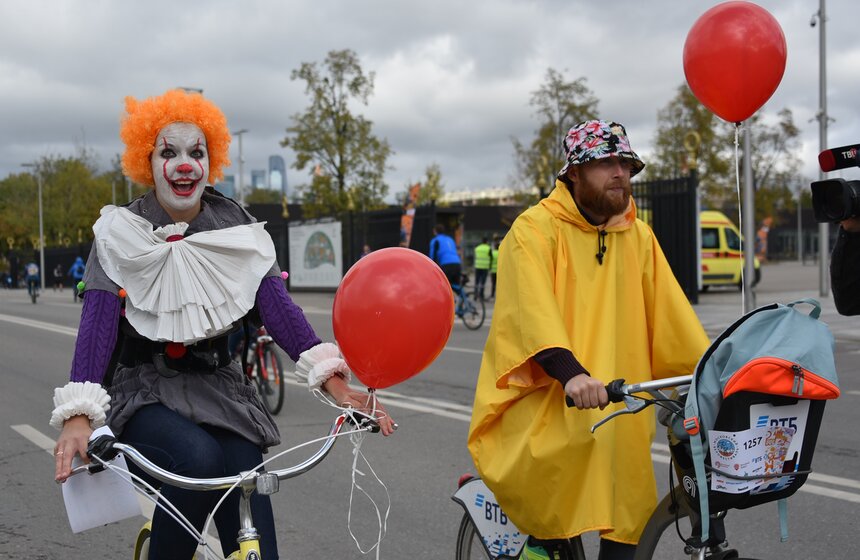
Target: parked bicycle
486 532
468 307
105 448
263 366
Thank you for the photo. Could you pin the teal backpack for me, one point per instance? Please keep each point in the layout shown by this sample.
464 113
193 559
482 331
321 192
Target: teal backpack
754 409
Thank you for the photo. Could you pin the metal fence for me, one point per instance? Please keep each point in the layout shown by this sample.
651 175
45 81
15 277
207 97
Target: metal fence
669 207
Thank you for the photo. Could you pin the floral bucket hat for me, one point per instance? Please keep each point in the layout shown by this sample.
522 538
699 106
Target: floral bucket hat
595 139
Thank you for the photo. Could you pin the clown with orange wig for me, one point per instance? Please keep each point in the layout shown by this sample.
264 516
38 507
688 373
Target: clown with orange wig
169 275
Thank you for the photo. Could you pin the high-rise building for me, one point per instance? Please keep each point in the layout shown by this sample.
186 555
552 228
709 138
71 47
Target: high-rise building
277 174
258 179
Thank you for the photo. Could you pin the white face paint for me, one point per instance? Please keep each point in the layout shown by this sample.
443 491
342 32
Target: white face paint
180 168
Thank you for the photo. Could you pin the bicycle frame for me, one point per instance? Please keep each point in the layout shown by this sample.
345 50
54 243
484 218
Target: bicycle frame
264 483
503 540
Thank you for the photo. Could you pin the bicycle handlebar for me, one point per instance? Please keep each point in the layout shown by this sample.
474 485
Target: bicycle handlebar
619 392
107 447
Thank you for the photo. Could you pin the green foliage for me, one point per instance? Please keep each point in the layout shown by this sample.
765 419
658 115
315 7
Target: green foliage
432 188
263 196
72 195
559 105
690 136
347 160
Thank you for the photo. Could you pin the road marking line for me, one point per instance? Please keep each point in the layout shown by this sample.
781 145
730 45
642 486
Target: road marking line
35 436
38 325
464 350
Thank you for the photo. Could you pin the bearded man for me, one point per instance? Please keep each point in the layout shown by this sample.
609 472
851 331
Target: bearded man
585 296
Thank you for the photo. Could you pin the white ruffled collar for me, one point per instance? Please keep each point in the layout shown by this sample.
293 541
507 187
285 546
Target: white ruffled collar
186 290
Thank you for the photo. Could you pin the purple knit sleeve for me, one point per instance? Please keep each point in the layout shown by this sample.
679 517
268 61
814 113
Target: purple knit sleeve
96 336
284 320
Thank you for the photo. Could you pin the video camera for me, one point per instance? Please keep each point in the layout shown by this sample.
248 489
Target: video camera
834 200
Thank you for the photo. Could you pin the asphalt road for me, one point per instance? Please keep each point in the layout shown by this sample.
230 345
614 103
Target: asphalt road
419 465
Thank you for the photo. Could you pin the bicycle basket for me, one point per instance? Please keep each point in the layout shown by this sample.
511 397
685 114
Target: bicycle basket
752 413
754 410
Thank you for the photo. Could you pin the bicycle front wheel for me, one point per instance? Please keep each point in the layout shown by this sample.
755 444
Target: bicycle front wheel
473 312
269 377
469 545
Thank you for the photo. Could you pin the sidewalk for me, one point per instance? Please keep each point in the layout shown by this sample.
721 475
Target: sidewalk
781 282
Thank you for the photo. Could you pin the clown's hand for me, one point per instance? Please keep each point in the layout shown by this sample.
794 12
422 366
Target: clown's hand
321 362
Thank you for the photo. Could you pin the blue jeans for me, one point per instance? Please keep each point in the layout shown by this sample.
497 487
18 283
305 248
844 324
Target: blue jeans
179 445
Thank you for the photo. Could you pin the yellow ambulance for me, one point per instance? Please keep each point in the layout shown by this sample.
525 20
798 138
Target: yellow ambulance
722 258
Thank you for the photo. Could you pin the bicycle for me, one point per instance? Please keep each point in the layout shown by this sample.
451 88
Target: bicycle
264 367
105 448
485 532
33 289
468 308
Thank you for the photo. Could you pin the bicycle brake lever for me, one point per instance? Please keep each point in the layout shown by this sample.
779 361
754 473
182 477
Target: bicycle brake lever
632 405
101 447
363 421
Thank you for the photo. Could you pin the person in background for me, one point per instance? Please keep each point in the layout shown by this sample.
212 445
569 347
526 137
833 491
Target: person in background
366 250
483 262
585 296
76 272
174 271
845 268
58 277
494 267
32 277
443 251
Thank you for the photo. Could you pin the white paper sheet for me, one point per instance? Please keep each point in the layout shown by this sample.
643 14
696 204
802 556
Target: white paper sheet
757 451
96 500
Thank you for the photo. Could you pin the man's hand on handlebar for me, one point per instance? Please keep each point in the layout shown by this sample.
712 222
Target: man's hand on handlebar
345 395
72 441
586 392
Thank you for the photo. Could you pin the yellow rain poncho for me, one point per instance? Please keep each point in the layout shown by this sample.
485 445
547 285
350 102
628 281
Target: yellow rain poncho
627 318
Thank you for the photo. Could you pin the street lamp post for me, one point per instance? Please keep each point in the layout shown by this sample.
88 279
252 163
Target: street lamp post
41 225
241 188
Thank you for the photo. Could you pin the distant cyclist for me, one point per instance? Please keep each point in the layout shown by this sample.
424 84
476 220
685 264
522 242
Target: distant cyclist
58 277
33 277
77 274
443 251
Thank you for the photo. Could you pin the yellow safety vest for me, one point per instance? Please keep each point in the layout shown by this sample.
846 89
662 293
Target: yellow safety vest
483 256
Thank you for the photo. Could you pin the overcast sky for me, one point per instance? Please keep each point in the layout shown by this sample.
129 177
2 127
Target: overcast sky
453 77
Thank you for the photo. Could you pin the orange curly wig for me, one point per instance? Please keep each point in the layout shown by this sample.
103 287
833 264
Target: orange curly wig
144 119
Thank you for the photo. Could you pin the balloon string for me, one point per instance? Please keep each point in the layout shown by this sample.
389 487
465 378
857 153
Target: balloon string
357 438
740 215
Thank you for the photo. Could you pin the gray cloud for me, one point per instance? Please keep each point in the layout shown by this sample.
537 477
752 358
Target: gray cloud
453 79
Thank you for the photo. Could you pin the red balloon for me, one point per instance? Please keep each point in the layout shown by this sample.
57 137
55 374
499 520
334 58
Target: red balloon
734 58
393 313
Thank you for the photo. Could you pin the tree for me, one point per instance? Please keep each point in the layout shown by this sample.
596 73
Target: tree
72 195
432 189
263 196
559 105
687 132
348 160
775 164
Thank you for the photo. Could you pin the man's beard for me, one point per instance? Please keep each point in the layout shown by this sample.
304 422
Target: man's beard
597 201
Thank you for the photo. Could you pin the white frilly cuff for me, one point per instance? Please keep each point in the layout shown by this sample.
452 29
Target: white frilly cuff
321 362
80 398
